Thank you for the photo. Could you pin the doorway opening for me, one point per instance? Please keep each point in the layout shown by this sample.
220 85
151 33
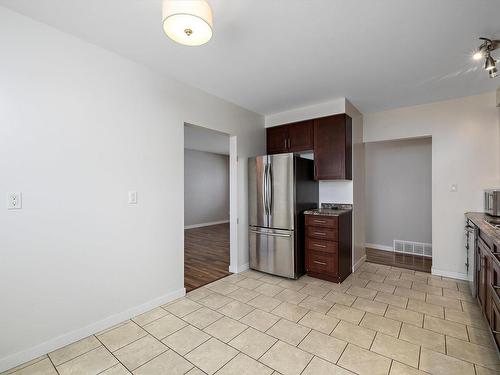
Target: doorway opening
208 205
398 183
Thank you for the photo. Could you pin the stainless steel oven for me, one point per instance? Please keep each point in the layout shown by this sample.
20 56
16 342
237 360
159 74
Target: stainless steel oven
492 202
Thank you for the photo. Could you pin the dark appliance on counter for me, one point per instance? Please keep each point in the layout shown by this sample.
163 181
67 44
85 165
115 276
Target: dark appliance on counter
492 202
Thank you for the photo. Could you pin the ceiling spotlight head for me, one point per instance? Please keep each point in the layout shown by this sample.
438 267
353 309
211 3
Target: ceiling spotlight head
188 22
489 63
478 55
493 73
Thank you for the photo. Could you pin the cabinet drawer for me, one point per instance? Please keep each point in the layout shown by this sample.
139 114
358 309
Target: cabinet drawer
322 221
321 245
322 233
322 262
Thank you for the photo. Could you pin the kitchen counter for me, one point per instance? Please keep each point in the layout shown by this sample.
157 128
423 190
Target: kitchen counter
326 212
330 209
486 271
478 218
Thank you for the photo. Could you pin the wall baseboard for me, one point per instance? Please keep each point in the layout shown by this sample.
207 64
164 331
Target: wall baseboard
359 263
205 224
239 269
36 351
379 247
453 275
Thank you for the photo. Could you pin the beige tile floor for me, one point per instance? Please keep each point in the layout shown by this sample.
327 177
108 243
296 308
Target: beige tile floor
381 320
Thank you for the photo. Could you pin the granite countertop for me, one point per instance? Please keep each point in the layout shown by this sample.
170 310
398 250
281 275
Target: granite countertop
327 211
478 218
330 209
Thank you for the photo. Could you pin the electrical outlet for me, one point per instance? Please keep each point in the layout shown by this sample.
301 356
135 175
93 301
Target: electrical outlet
132 197
14 201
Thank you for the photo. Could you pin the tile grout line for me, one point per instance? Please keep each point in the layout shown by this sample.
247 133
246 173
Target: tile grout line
312 285
53 365
110 352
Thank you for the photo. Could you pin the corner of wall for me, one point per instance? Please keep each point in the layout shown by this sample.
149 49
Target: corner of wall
358 167
327 108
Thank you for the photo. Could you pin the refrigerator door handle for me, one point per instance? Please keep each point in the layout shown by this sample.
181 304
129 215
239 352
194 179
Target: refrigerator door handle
270 234
269 189
264 191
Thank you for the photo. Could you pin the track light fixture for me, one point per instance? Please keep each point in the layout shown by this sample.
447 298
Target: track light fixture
493 73
484 51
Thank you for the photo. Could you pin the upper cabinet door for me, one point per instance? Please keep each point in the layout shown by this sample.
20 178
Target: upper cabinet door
277 140
301 136
333 148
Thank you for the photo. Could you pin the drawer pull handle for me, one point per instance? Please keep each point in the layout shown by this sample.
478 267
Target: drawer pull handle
495 332
318 262
496 287
318 245
320 233
320 221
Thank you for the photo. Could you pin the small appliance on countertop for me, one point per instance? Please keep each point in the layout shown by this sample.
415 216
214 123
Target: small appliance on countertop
492 202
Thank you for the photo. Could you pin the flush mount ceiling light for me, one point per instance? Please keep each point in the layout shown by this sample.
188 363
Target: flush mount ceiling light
187 22
484 51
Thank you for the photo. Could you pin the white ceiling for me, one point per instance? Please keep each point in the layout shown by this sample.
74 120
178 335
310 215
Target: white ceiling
270 56
202 139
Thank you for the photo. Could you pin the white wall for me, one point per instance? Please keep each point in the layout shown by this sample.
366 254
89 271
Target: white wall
307 112
351 192
358 184
203 139
80 126
465 150
206 187
398 191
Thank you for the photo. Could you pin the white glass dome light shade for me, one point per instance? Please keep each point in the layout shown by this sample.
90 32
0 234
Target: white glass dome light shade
188 22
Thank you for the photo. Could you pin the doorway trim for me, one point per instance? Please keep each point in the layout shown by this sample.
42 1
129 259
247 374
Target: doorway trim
233 205
234 257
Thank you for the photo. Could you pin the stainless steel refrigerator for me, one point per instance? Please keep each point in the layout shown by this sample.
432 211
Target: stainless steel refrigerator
280 188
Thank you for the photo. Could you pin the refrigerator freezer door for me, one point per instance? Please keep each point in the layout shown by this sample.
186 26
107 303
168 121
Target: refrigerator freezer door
280 191
257 191
272 251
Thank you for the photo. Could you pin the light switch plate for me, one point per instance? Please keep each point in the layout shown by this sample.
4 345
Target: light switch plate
14 201
132 197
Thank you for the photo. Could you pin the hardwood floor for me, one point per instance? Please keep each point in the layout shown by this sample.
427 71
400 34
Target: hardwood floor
206 255
412 262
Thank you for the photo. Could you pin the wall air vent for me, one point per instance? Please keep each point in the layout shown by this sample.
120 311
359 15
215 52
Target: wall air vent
414 248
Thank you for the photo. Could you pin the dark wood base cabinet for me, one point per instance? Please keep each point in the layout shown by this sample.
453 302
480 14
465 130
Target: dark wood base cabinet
487 272
329 246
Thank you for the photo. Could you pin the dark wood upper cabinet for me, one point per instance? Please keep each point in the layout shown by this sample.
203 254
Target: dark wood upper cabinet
290 138
277 139
301 136
333 148
329 137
